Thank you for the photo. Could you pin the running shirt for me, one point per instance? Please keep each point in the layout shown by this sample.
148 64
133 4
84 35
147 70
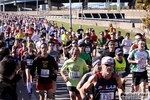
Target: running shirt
126 43
105 89
44 69
76 70
137 54
29 58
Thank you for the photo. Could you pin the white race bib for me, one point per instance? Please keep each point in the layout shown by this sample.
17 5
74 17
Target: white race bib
45 73
120 72
141 66
107 96
74 75
29 62
10 42
87 49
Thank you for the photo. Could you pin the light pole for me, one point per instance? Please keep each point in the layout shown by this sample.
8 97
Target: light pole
37 7
70 13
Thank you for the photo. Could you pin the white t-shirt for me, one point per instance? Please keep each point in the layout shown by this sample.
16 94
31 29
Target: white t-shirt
126 45
35 37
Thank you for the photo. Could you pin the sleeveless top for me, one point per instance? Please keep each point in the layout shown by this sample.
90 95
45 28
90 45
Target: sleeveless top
105 89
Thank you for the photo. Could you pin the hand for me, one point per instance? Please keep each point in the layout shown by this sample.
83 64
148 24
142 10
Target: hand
120 76
19 72
138 60
55 71
65 79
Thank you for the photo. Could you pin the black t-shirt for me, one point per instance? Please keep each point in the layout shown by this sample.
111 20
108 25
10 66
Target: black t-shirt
107 53
45 68
80 32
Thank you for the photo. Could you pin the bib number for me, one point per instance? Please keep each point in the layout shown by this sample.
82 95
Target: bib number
141 66
87 50
74 75
45 73
107 96
120 72
29 62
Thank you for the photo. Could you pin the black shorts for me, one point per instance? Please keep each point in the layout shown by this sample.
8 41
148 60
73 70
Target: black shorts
28 67
138 77
54 77
22 67
73 89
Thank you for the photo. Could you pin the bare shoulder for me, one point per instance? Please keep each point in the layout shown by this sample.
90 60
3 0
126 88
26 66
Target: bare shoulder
92 78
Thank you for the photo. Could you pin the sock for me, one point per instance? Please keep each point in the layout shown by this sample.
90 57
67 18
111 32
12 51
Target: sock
29 87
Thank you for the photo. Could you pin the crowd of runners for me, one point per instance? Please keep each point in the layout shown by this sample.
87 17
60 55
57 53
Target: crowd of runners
31 48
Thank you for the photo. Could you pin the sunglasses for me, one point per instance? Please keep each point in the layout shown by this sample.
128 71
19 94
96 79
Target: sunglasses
120 54
108 65
74 42
51 45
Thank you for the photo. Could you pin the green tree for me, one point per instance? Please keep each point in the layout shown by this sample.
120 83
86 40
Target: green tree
146 19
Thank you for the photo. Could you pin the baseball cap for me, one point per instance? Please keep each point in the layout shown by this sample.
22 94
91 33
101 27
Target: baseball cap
81 44
118 51
87 37
95 61
107 60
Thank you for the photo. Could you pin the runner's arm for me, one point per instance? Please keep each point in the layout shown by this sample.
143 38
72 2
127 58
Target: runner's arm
127 70
87 86
120 87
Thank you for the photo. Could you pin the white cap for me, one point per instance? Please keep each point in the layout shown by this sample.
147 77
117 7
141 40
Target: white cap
107 60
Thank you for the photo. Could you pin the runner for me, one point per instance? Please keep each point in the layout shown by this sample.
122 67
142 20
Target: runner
28 57
45 65
138 59
121 66
105 82
76 69
55 55
96 63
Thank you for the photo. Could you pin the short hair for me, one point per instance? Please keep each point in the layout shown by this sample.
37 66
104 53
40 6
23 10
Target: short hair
4 52
111 41
74 48
7 66
51 42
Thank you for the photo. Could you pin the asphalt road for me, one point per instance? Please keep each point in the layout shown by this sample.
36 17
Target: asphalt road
61 92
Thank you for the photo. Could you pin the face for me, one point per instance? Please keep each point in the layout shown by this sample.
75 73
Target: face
30 46
112 36
87 40
141 46
51 46
119 56
111 46
43 48
75 53
108 68
98 67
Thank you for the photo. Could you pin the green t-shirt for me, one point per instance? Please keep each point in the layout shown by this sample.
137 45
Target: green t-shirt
76 69
86 57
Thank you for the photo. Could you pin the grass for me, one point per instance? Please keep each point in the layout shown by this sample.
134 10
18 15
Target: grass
98 29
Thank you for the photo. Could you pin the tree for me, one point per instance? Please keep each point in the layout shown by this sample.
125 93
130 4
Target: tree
146 19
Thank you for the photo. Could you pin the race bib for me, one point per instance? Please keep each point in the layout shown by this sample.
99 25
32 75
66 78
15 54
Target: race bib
141 66
10 42
95 42
74 75
45 73
107 96
120 72
87 49
29 62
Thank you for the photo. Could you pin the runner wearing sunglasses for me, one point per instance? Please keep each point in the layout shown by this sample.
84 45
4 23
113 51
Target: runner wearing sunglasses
105 82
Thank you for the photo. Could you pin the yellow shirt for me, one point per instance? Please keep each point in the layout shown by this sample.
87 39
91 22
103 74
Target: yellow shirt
64 38
20 35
